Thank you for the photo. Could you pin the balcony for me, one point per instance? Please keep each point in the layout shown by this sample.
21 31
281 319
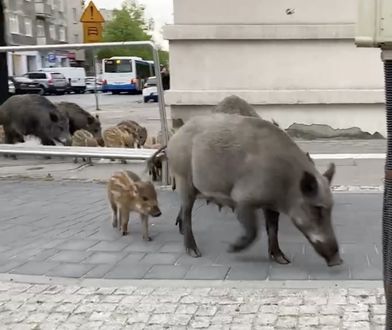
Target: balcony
42 9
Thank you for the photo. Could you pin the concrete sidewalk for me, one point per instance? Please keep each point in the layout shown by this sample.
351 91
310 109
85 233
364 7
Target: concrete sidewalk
63 229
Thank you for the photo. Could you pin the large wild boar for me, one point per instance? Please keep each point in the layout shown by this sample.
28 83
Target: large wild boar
23 115
235 105
81 119
247 164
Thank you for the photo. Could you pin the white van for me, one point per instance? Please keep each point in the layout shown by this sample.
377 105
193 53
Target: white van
75 76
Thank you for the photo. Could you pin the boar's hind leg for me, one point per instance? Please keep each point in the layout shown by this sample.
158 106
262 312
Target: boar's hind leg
179 222
272 225
247 217
188 197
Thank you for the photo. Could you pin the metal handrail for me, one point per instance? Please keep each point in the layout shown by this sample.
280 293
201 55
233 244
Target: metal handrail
161 100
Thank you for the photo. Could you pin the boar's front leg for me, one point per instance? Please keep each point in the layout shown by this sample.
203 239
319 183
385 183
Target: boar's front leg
272 225
247 217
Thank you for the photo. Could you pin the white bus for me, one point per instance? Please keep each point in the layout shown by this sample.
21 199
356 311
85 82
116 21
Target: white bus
125 74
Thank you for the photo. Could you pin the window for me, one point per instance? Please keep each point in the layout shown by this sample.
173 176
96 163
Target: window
74 15
40 29
14 23
118 66
28 27
76 38
61 5
62 33
52 32
51 3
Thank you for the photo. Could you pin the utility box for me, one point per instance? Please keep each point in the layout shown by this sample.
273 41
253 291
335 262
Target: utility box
374 25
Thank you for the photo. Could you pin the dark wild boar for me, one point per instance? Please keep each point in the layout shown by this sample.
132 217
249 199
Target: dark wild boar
249 164
81 119
23 115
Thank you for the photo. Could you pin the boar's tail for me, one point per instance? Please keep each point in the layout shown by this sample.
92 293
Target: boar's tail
152 161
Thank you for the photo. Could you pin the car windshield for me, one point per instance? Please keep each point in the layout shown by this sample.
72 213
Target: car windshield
57 75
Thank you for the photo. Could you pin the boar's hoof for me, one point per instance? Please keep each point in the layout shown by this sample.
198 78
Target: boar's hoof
280 258
242 243
193 252
335 261
147 239
180 228
124 233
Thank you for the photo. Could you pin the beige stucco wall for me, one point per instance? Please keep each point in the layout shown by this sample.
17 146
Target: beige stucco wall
297 67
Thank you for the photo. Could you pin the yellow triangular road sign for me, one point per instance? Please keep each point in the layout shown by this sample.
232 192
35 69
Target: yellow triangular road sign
91 14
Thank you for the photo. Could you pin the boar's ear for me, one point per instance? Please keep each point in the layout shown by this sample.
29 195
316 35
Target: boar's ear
53 117
308 185
90 120
329 173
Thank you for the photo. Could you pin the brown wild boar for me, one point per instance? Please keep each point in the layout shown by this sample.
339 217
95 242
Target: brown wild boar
138 131
127 193
2 135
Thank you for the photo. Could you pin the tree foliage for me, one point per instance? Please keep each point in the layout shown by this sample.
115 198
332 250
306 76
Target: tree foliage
129 24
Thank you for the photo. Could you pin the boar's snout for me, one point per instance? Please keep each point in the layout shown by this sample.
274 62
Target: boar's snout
329 251
155 212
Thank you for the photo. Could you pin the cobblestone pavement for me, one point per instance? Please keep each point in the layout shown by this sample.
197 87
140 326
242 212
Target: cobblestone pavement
63 229
43 306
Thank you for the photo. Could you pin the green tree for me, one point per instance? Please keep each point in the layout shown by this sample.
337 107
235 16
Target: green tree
129 24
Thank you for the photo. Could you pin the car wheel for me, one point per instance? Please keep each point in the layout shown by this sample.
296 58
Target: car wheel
41 92
115 92
60 93
145 99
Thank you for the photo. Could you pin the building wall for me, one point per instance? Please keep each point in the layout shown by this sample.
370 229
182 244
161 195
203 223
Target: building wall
293 60
48 25
75 27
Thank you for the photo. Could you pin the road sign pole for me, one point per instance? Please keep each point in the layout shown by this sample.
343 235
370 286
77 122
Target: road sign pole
95 79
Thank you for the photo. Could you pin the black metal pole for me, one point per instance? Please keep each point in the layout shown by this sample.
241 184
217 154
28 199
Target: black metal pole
387 202
3 58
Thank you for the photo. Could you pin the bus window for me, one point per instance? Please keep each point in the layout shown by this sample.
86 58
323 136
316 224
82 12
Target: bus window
118 66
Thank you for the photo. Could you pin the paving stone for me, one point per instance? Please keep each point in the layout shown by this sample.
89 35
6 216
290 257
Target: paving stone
70 270
35 267
130 272
159 258
105 257
166 271
207 273
70 256
248 272
109 246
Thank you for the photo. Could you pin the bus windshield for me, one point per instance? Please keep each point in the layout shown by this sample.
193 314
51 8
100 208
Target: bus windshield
118 66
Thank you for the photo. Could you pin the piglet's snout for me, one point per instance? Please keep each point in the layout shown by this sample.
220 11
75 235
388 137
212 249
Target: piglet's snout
155 212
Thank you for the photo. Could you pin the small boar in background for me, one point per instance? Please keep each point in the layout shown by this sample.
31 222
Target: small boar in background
83 138
138 131
128 193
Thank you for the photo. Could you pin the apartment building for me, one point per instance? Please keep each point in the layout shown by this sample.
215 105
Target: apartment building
40 22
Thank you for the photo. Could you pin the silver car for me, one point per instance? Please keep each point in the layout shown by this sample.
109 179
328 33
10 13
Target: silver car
50 82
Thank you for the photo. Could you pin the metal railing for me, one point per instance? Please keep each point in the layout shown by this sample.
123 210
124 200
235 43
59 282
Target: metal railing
124 153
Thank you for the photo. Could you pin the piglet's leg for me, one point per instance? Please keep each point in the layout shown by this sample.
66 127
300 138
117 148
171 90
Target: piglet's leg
124 219
144 219
114 216
272 224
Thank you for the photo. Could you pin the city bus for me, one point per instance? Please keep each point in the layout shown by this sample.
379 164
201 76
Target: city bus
125 74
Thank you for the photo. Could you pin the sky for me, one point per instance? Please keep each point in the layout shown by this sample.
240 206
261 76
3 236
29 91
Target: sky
160 10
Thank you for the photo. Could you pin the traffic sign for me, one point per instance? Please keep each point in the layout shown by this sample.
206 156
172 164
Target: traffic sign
92 32
51 58
91 14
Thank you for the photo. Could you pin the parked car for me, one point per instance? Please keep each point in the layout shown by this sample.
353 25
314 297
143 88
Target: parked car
150 90
75 76
23 85
51 82
11 87
90 84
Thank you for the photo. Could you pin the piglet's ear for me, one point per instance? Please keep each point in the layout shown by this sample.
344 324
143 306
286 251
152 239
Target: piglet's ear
308 185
